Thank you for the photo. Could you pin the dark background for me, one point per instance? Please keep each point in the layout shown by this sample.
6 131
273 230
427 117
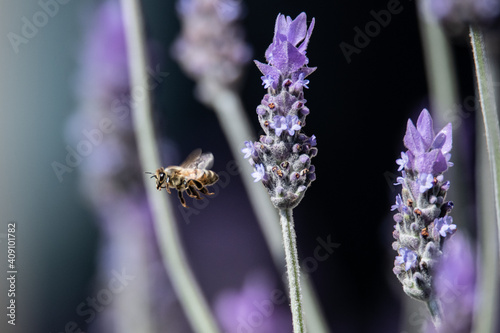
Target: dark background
358 113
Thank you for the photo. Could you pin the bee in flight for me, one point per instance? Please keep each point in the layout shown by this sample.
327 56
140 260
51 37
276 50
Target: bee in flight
191 176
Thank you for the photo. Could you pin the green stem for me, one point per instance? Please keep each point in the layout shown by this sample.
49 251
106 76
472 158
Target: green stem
293 269
489 110
485 318
235 124
435 310
174 259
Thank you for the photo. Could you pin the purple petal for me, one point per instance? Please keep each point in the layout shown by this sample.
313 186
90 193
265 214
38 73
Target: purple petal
439 141
287 58
413 140
267 69
297 29
304 70
424 127
281 26
272 73
302 48
447 131
411 160
425 182
440 164
399 260
411 259
295 59
424 163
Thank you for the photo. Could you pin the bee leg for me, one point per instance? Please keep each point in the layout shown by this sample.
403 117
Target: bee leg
205 191
201 188
195 193
191 191
166 189
181 198
196 183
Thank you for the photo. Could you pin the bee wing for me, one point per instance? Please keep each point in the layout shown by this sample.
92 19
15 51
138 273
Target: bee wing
197 160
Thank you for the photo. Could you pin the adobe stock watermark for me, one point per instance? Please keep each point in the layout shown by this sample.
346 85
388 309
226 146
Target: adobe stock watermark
364 35
31 26
88 309
264 309
232 169
93 137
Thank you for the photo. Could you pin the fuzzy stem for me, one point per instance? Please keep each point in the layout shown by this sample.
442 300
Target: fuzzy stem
486 313
435 310
174 259
293 269
235 124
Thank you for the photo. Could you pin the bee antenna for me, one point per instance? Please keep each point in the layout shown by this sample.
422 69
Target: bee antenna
148 172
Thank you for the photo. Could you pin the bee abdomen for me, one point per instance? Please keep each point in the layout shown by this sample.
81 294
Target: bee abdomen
210 177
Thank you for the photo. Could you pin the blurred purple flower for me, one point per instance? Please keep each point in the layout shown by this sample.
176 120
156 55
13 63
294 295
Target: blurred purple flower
257 307
111 178
455 285
211 44
458 14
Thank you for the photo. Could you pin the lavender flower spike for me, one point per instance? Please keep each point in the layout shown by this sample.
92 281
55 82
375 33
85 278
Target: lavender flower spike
422 223
285 152
282 157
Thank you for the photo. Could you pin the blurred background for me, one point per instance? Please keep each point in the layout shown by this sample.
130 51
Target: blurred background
87 257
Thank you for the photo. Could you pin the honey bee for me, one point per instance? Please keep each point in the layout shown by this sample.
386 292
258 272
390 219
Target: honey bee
191 176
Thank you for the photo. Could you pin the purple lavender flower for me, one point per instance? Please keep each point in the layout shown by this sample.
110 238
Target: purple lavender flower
399 204
422 224
285 150
403 161
407 258
425 182
260 173
249 150
278 125
444 226
267 81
